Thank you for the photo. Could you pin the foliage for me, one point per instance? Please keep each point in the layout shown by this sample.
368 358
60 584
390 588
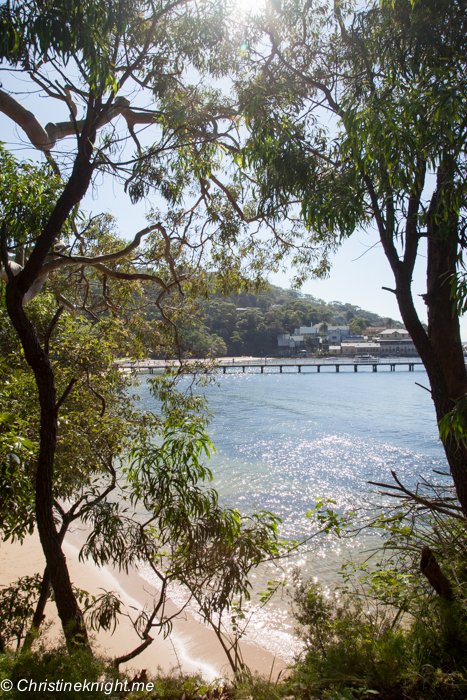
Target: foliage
17 603
174 686
357 325
46 664
355 121
49 664
355 644
384 630
177 524
98 423
163 512
347 646
28 194
158 505
390 107
76 303
453 426
16 489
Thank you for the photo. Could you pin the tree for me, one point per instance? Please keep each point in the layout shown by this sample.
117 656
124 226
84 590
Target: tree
98 426
356 115
158 508
203 343
357 326
100 61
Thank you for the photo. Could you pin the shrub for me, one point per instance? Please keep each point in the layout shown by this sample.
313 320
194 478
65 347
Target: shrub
51 665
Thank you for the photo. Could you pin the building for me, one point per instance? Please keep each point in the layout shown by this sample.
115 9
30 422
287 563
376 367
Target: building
342 331
362 348
398 348
396 342
308 330
375 330
394 334
336 334
332 334
290 343
283 340
391 342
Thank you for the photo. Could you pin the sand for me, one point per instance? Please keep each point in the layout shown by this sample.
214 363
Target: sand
191 647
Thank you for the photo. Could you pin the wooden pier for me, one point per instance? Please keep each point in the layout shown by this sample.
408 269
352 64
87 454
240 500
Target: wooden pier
152 366
271 368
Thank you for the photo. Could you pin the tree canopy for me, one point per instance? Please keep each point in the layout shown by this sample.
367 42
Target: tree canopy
356 118
119 71
353 118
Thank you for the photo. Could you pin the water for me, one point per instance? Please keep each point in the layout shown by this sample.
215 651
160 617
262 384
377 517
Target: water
285 440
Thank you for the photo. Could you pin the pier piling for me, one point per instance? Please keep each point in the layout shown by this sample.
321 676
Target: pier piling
152 366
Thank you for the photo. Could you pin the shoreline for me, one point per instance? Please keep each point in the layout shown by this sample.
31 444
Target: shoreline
190 648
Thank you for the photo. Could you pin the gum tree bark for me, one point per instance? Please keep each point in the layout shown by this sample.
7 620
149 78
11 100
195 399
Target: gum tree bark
440 348
37 357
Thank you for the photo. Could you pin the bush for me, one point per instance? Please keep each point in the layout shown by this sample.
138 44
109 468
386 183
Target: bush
51 665
356 648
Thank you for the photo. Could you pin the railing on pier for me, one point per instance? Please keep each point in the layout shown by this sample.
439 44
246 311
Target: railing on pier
272 367
374 365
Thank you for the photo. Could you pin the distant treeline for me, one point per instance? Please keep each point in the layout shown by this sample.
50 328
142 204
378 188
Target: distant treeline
248 324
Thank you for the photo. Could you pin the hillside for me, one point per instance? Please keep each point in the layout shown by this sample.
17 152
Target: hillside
248 324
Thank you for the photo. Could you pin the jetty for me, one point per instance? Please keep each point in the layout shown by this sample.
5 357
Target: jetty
277 366
302 367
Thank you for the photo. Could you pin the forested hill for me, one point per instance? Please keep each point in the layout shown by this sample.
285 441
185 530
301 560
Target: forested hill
248 324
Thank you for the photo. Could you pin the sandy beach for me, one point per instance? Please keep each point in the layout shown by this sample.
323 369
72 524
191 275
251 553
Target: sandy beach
191 647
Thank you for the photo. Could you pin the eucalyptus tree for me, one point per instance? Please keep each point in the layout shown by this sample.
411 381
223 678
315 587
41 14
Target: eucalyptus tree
158 509
98 425
357 117
119 71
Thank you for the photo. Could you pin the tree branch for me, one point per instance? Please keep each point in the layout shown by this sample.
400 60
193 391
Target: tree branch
51 327
451 510
133 275
45 138
66 261
431 570
65 394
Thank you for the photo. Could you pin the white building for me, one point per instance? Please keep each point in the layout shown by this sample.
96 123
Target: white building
394 334
350 348
397 342
316 329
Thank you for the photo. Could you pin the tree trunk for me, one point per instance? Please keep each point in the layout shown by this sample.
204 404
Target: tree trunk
441 348
68 609
39 612
431 570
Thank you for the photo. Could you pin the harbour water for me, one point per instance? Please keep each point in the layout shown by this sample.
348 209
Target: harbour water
283 441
